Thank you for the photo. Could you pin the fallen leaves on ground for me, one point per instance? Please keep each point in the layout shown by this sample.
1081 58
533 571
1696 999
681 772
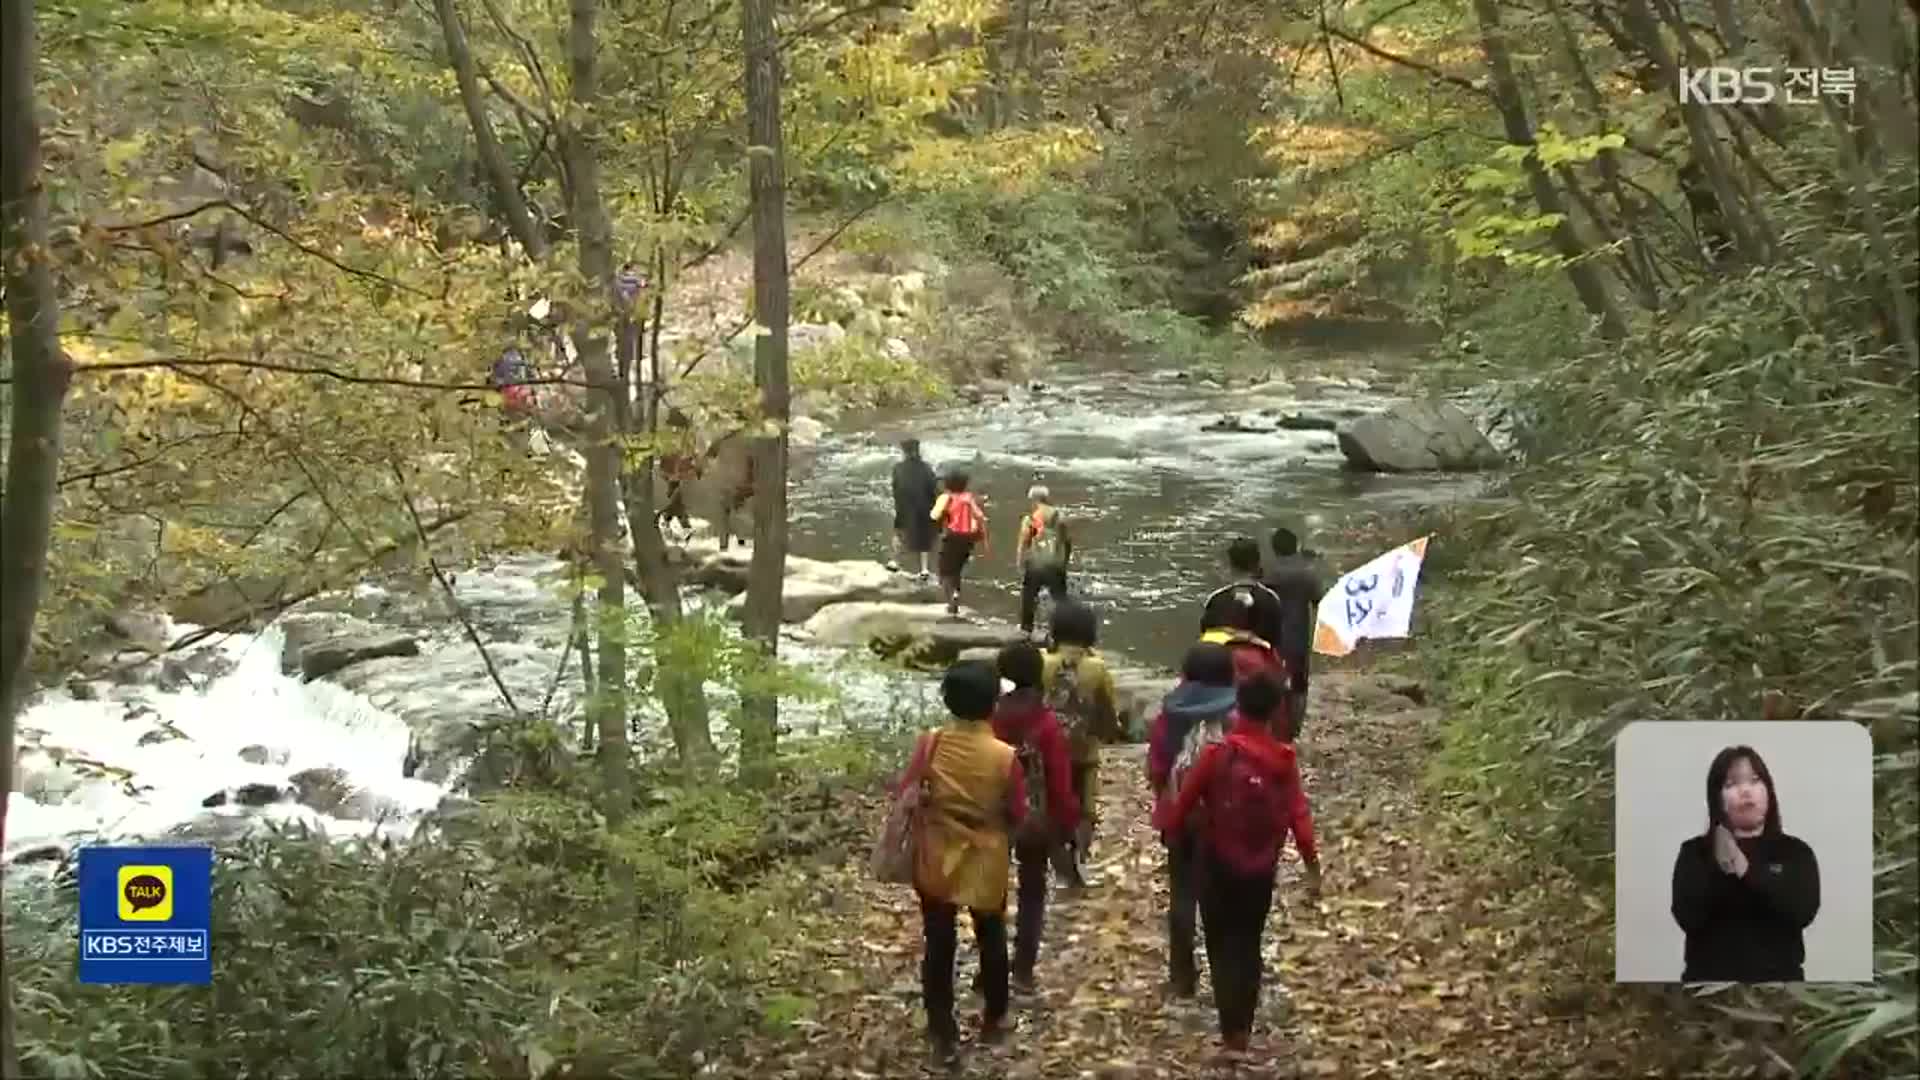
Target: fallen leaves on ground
1421 960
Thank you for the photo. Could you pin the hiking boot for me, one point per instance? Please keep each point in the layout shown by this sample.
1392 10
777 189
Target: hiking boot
953 607
1236 1043
943 1053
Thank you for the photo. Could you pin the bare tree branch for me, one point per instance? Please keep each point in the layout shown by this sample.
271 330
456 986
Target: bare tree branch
446 586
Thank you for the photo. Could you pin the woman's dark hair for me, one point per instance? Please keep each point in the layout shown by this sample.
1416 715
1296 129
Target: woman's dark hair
1723 763
970 689
1258 697
1209 664
1244 555
910 446
1074 623
1022 665
956 481
1285 542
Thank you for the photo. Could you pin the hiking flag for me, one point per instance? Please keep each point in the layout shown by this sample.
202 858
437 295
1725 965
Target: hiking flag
1373 601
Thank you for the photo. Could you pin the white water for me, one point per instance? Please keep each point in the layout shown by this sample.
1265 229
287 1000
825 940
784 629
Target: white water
84 775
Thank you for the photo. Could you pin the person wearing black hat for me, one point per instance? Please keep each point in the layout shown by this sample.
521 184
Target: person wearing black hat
914 490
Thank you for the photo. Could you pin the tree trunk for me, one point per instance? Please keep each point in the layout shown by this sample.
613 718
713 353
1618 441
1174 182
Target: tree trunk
1586 279
1707 152
595 232
41 375
761 712
492 158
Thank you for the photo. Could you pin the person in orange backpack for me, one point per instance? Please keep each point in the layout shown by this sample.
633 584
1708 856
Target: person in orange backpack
1042 551
963 526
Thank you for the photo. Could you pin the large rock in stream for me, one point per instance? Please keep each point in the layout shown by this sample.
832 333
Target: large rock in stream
920 633
1427 436
810 584
319 644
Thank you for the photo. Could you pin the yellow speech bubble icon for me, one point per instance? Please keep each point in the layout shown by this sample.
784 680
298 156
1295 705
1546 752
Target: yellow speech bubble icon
146 893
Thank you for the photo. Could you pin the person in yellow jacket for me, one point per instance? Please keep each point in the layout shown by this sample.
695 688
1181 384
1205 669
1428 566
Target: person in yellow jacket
976 796
1080 690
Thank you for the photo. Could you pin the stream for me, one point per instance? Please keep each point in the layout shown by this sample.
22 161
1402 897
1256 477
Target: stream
1153 497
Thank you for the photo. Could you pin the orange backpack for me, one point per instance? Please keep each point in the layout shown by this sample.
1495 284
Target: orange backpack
963 515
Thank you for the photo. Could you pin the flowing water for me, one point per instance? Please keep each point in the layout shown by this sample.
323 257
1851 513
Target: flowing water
1153 496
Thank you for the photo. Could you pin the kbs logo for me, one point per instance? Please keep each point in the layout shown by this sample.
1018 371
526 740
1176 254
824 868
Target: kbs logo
1761 86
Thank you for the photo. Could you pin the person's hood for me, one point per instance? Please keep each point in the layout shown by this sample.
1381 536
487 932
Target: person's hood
1192 701
1188 704
1254 737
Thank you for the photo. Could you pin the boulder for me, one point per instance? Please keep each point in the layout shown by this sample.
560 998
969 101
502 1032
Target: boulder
239 602
324 789
805 431
263 755
812 585
326 657
804 336
921 633
143 629
1305 422
1431 436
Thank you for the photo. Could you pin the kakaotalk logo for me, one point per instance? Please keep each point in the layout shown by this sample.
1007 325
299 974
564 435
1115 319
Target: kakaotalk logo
146 893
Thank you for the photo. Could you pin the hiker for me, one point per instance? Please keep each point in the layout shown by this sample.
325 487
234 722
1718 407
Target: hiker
915 490
1192 716
1243 559
1023 721
510 376
680 468
1042 552
1250 789
1297 581
1079 690
1745 890
1252 654
976 797
963 525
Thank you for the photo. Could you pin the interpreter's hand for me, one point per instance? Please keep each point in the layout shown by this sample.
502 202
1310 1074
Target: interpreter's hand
1727 852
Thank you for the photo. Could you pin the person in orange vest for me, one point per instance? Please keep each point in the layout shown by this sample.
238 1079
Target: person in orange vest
963 526
1042 550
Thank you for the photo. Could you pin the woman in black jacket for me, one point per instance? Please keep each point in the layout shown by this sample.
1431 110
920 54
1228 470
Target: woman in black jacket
1744 891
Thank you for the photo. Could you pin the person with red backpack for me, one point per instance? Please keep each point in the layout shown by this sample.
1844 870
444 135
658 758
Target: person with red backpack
1193 716
963 525
1023 721
1248 786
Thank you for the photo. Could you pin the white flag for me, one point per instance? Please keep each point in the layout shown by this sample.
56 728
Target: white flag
1373 601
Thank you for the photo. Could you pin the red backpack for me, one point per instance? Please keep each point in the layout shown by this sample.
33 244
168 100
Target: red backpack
963 514
1250 812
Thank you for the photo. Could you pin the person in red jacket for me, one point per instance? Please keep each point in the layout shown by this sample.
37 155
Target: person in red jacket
1192 716
1023 721
1250 788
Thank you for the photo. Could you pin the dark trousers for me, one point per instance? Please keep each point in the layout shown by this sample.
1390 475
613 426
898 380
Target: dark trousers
1297 696
1034 861
1233 911
1183 912
1032 581
939 922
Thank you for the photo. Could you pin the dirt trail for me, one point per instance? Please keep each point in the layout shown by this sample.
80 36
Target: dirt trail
1417 962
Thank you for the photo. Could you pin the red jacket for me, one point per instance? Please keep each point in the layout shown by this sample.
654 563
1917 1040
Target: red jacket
1277 759
1022 718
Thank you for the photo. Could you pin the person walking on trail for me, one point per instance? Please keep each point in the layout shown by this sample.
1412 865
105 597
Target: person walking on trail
1023 721
1243 559
976 797
1079 689
915 490
1252 654
1299 582
1193 716
679 468
1248 785
963 525
1042 552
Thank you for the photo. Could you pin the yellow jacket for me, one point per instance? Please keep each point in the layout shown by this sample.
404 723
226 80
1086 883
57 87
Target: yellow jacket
963 849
